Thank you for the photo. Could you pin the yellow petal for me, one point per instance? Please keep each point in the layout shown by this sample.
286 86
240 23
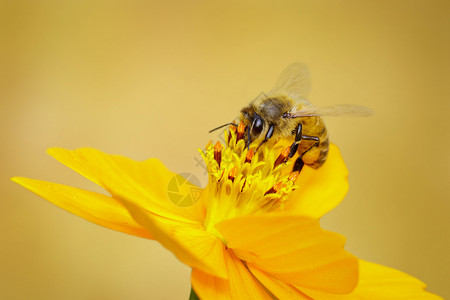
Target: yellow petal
320 190
207 286
240 284
381 283
144 183
294 249
94 207
278 288
188 241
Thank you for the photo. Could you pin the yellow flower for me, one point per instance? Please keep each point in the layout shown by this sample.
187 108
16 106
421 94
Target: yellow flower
253 234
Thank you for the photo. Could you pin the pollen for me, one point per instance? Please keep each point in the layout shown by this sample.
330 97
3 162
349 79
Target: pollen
232 174
284 155
246 180
240 131
218 153
275 188
249 155
293 176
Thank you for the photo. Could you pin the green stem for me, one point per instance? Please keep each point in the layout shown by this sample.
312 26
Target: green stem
193 295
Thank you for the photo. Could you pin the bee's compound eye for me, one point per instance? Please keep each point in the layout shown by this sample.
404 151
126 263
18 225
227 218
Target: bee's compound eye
257 125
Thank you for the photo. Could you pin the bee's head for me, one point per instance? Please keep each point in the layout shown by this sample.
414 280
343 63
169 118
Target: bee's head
254 123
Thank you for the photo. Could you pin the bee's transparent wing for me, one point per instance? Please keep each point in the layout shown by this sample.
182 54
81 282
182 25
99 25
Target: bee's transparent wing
343 110
294 81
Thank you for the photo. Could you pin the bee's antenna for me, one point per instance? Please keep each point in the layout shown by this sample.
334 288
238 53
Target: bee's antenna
232 124
248 139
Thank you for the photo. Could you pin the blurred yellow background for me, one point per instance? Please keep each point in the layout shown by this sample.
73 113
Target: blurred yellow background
149 79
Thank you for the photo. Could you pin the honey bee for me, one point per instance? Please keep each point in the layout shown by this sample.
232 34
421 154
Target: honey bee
284 113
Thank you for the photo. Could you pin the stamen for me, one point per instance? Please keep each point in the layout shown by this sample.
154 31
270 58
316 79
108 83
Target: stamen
246 180
243 185
231 132
293 176
218 152
240 132
275 188
249 156
221 176
232 174
283 157
233 129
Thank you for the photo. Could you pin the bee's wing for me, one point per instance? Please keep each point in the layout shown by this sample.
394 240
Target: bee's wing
294 81
343 110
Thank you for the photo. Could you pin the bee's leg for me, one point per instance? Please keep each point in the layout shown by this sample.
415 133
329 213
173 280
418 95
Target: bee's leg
311 138
267 137
298 139
298 165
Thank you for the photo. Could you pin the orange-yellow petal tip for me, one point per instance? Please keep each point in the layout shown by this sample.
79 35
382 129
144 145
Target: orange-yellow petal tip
54 150
23 181
15 179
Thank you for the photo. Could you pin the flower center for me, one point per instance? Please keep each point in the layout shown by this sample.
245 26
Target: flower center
245 180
